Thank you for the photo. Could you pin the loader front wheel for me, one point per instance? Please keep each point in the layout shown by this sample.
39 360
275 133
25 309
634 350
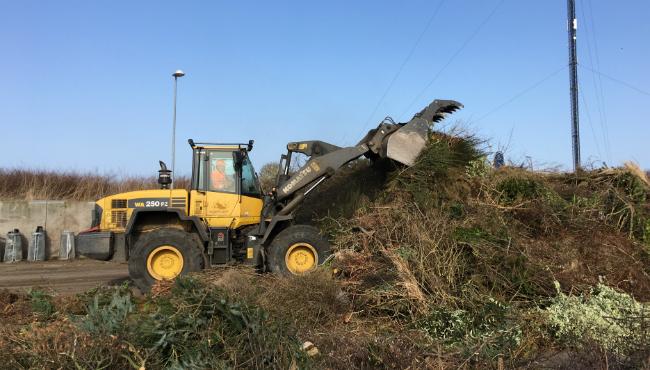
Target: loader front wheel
297 250
163 254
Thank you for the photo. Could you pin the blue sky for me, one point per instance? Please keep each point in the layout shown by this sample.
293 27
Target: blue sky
87 85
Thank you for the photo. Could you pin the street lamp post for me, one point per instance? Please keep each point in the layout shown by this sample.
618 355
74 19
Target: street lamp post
176 75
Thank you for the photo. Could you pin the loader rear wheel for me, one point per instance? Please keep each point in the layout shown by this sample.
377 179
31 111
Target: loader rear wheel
163 254
297 250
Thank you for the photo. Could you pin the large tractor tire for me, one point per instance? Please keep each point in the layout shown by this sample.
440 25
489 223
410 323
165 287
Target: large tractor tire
164 254
296 250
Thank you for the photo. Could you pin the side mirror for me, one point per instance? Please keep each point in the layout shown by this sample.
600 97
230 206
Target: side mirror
239 160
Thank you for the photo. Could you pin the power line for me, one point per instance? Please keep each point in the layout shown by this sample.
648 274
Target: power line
598 88
522 92
451 59
618 81
401 67
600 80
591 126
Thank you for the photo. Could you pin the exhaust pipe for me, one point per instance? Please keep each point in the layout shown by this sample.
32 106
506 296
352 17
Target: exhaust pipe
164 176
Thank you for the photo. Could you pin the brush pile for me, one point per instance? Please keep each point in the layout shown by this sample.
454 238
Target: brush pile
446 264
481 259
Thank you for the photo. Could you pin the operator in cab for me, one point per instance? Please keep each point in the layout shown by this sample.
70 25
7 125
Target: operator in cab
221 179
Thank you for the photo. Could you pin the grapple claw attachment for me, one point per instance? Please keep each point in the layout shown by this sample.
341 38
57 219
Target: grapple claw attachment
406 143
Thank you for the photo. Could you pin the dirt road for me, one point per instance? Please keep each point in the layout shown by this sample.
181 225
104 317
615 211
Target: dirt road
63 277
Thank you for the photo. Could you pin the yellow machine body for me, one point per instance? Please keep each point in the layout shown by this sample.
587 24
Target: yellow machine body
215 209
223 201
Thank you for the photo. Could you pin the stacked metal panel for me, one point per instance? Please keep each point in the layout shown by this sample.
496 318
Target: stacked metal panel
67 246
36 250
13 247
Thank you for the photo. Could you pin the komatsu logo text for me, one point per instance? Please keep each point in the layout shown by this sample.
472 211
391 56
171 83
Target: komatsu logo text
301 175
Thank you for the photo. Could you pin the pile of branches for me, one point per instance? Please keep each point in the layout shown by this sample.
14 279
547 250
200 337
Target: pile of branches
469 254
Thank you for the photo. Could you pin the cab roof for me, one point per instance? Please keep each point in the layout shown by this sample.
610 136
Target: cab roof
241 146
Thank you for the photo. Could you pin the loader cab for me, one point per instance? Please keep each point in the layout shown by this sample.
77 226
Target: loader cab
224 168
224 189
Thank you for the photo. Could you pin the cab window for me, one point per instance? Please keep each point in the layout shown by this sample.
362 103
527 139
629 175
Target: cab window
199 169
249 183
221 170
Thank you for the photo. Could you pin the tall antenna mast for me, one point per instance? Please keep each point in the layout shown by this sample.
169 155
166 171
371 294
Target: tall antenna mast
573 72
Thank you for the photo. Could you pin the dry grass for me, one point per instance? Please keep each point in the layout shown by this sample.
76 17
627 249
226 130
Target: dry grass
636 170
21 184
63 345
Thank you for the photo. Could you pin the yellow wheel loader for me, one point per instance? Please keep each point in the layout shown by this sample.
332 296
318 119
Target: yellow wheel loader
224 217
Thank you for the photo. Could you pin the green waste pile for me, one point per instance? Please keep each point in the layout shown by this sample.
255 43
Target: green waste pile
447 264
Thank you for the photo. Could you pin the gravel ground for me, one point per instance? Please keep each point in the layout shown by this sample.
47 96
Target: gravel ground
62 277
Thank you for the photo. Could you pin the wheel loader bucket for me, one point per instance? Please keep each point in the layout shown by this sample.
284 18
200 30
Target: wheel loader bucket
406 144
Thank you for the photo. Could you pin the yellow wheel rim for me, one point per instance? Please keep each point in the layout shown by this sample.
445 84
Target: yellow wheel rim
165 262
301 258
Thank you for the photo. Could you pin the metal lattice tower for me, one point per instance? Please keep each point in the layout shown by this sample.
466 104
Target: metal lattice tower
573 73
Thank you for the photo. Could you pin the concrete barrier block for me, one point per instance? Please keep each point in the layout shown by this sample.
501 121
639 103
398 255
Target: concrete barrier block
78 215
54 216
55 222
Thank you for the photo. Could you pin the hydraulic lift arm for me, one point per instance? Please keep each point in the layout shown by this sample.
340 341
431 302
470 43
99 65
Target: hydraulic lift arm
401 142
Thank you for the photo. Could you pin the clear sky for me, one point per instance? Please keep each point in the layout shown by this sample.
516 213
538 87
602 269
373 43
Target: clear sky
87 84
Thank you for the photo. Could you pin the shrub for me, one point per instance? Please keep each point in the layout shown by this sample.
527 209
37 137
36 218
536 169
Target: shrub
200 326
41 303
268 175
487 330
108 318
613 320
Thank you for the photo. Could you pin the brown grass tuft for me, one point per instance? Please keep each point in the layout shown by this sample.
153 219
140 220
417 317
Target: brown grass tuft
634 168
22 184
